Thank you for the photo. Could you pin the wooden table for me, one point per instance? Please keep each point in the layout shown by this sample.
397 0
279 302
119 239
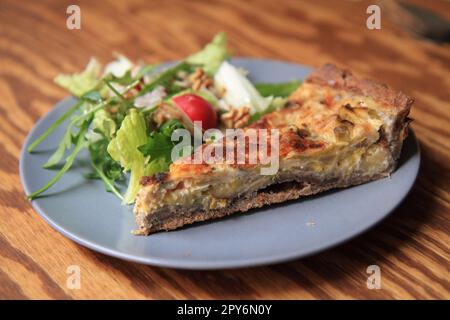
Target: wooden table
411 246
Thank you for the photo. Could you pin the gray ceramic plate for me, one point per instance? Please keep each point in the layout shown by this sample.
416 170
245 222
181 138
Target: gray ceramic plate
82 210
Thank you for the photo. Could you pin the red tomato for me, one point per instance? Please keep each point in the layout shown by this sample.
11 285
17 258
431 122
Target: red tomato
197 109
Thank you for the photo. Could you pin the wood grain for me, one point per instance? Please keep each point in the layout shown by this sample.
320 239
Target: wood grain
411 246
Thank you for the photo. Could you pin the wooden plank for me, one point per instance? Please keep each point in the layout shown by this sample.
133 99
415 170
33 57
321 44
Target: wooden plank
411 246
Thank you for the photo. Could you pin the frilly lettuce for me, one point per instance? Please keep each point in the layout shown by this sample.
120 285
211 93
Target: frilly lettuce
103 123
80 83
124 149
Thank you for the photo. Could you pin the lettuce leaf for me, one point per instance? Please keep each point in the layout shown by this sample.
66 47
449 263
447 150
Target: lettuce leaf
80 83
124 149
212 55
104 123
105 168
79 143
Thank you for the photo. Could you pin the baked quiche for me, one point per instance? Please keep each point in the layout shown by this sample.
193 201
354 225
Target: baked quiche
337 130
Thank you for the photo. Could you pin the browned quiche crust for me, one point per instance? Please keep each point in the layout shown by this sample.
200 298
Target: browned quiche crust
330 75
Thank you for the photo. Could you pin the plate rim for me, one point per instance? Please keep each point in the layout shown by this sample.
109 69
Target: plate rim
196 264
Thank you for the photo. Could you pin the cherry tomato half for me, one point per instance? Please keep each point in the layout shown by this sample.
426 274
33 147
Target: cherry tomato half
197 109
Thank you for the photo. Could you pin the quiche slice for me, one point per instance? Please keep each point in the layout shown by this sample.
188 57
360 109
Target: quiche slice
337 130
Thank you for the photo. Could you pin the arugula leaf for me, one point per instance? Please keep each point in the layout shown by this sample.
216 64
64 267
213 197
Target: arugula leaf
170 126
64 144
114 90
79 144
277 89
67 140
212 55
83 82
55 125
99 155
159 147
124 149
104 166
108 183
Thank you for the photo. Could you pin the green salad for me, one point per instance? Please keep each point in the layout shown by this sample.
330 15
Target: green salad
125 113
